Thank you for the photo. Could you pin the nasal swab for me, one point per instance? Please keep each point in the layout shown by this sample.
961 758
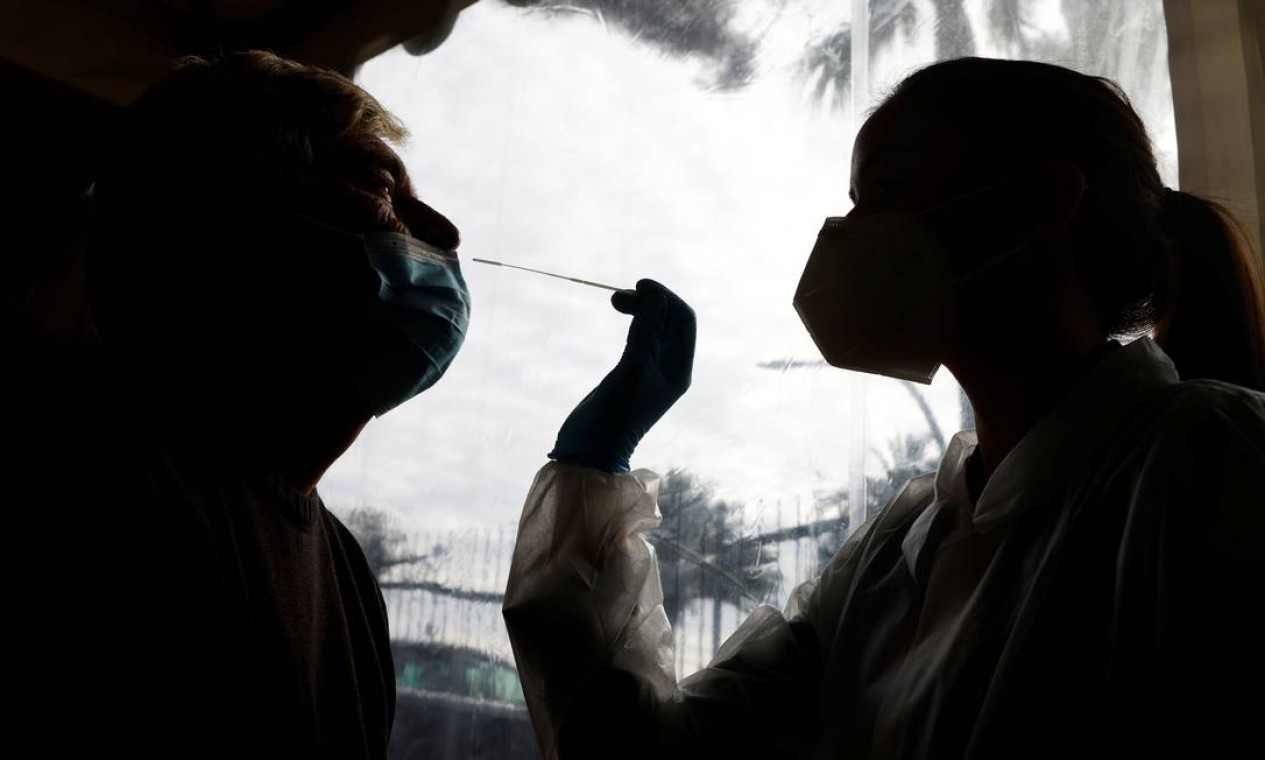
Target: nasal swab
550 274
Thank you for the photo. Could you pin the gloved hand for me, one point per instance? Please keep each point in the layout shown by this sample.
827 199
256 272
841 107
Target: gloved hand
653 373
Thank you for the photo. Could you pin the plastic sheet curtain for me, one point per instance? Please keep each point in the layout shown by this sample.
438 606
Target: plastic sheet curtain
699 143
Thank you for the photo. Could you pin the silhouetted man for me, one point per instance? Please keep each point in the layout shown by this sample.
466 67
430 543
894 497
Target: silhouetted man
263 282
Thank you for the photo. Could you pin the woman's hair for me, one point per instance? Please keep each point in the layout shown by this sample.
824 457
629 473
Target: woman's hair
1152 258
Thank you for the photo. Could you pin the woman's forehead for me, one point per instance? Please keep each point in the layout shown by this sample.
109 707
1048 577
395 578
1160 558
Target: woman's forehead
906 135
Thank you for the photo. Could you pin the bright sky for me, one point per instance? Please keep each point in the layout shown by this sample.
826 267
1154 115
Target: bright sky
557 143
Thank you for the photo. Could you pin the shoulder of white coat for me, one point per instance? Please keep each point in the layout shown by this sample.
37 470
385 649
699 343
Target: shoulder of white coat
914 497
822 596
899 513
904 508
1195 407
1198 481
1204 445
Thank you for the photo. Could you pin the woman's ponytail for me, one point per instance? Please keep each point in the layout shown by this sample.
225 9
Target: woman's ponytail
1150 258
1210 314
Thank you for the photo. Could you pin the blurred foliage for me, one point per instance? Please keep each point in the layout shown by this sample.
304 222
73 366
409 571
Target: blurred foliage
379 536
703 552
702 29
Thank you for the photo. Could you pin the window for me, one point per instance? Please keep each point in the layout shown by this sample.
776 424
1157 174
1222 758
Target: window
700 144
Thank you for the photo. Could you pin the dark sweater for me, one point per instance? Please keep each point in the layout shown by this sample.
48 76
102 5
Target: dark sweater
170 605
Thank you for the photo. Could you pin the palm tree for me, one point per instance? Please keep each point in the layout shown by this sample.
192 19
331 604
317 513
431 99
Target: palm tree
379 537
1118 40
906 457
703 553
892 19
1114 39
701 29
827 62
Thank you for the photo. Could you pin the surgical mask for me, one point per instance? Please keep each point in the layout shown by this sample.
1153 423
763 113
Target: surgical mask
877 294
423 302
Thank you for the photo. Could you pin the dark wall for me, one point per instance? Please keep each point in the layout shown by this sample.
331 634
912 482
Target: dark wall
49 131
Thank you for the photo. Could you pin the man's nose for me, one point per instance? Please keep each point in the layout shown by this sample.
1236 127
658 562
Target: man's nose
427 224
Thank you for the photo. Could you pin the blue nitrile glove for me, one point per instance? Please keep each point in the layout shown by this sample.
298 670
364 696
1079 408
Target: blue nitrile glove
651 375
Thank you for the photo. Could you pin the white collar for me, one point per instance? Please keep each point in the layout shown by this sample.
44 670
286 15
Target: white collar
1064 441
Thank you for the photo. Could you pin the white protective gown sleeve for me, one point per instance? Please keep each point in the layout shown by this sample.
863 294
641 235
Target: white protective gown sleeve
594 648
1119 612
